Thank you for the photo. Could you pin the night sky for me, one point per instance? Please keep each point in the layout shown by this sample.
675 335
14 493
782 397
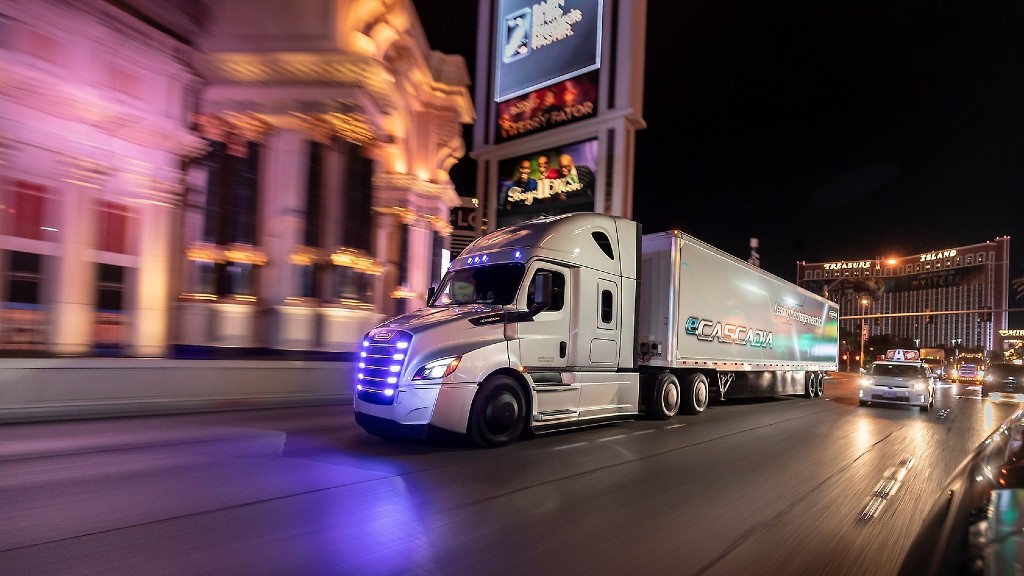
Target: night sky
827 131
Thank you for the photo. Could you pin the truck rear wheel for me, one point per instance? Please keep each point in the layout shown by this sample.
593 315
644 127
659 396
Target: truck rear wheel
498 413
696 394
819 384
667 397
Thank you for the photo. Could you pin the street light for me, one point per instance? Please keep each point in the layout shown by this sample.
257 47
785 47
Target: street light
863 328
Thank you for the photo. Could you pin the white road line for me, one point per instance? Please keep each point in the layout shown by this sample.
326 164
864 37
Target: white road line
570 446
674 426
612 438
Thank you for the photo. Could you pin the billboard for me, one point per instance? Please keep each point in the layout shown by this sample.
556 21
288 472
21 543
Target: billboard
543 42
556 105
557 180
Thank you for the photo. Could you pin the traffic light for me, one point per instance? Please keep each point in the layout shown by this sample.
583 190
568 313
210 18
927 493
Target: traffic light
928 317
986 316
878 321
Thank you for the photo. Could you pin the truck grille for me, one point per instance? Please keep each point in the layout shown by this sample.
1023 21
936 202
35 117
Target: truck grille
381 361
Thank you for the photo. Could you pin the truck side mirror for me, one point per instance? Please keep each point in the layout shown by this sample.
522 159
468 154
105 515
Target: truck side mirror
541 292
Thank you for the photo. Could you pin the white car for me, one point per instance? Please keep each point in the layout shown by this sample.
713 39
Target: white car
892 382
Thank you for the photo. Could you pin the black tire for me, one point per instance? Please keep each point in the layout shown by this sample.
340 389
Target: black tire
809 386
667 397
819 384
862 402
498 413
928 406
696 393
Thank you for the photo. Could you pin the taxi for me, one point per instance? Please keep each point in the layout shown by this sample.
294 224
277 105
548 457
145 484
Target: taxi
899 379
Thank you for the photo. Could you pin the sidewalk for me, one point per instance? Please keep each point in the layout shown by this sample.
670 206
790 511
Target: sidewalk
41 389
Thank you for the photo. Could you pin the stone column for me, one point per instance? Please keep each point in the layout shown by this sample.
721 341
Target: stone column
150 319
283 214
75 294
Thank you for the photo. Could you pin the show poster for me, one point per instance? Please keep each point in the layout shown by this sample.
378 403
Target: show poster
540 43
550 182
555 105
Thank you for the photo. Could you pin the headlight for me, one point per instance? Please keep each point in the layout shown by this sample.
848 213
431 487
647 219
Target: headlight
989 378
437 368
867 381
919 385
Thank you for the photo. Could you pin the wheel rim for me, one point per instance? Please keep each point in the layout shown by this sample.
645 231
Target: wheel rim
502 413
670 398
700 395
820 384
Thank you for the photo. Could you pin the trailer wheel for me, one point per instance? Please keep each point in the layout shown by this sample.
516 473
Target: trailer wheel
809 385
667 397
498 413
696 393
819 384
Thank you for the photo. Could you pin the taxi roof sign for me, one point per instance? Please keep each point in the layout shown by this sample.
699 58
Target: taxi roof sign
903 355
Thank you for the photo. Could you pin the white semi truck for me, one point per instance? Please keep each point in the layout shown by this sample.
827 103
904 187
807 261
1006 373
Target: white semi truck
574 320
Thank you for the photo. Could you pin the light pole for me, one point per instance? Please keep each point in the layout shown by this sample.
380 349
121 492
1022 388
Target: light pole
863 328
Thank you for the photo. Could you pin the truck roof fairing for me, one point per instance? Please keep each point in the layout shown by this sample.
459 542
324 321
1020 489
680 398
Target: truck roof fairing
584 239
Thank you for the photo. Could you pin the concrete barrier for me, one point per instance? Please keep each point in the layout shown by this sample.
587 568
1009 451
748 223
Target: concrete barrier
38 389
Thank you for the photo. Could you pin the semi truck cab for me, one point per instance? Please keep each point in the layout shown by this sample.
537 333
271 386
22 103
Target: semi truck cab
528 329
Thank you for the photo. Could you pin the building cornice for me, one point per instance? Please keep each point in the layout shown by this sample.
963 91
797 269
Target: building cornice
301 68
83 104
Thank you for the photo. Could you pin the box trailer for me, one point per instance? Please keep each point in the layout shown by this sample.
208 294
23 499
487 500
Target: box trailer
575 320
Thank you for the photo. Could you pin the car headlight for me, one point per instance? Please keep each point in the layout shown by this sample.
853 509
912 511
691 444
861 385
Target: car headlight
989 378
953 373
436 369
919 386
867 381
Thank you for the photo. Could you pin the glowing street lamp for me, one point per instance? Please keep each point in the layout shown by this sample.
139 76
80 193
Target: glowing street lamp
863 328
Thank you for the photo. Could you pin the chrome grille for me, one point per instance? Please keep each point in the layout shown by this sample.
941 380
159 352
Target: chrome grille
381 361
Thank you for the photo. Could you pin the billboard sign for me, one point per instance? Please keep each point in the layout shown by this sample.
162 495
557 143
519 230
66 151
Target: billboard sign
554 181
544 42
556 105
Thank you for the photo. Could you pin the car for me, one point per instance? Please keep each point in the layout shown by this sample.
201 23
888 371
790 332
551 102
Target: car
898 382
1004 382
974 527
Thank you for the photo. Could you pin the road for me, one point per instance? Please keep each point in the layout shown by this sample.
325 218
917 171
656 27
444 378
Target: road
779 486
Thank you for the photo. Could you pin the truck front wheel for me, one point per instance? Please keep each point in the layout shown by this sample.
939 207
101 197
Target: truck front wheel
696 394
667 397
498 413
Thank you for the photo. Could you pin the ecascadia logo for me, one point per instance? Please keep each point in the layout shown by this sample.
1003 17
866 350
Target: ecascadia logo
709 331
517 35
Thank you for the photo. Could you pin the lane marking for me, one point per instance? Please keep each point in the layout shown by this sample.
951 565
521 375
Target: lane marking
891 482
674 426
570 446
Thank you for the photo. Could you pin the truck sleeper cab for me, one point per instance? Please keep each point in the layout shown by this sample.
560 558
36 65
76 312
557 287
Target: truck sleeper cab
534 327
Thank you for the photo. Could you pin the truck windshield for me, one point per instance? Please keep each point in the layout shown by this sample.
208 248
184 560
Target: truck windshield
496 284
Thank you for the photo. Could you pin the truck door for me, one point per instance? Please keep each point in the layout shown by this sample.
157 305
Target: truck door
544 341
544 346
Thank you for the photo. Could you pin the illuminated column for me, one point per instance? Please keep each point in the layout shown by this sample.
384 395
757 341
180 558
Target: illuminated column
420 237
283 199
153 278
73 306
388 248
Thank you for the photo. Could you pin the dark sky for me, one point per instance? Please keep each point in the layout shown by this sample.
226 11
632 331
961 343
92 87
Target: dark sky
827 131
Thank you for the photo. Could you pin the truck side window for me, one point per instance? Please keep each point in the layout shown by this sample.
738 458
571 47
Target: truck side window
557 291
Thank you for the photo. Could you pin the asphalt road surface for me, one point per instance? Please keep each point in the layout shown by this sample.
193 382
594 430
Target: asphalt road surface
779 486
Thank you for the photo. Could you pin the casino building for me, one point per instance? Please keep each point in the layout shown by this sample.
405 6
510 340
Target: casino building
948 298
238 174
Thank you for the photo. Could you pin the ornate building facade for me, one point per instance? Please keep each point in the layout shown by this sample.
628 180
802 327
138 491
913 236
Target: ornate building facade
952 298
220 174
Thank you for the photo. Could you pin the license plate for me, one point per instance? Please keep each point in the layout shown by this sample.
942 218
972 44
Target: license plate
889 393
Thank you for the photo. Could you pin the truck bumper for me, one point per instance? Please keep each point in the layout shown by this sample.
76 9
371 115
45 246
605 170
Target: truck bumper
416 408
